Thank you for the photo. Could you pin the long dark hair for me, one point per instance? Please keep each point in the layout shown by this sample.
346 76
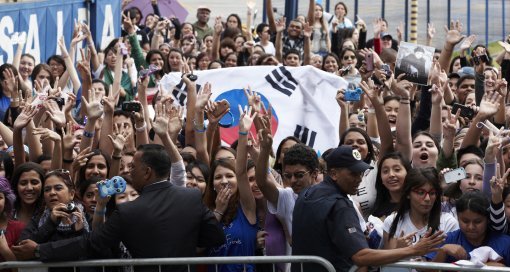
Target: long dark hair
371 150
211 194
417 178
26 167
383 198
278 165
81 173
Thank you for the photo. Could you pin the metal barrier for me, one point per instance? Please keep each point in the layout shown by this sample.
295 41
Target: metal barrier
39 266
444 267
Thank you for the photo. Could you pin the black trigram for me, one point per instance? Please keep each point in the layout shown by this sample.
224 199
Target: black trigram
282 80
305 135
180 92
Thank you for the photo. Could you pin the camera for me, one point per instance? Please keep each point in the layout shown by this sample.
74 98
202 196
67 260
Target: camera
109 187
130 106
481 59
353 94
60 101
71 207
149 71
192 77
387 70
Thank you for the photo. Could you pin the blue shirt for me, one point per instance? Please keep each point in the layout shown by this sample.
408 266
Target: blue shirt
5 102
240 239
498 242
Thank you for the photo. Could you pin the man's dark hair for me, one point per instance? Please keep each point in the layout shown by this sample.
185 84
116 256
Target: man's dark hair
290 52
156 157
464 77
301 154
470 149
260 27
105 86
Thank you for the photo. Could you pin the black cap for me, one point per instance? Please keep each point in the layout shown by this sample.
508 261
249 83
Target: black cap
345 156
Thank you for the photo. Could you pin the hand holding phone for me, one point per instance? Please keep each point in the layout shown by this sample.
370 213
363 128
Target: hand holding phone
465 111
455 175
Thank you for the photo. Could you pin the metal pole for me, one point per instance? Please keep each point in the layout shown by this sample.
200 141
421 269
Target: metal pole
406 19
328 3
355 8
383 5
264 14
486 22
503 18
414 21
428 12
469 17
449 17
290 10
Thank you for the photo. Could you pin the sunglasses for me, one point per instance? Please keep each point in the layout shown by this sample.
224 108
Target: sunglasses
349 57
297 175
423 193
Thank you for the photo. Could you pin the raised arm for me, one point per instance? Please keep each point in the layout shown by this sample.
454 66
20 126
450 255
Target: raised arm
200 140
488 107
383 125
279 26
107 124
21 122
50 135
160 126
307 33
118 141
94 111
268 189
270 16
404 136
453 37
246 196
431 31
218 28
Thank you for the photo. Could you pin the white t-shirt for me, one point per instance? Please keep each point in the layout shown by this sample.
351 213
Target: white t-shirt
447 223
366 191
269 48
285 207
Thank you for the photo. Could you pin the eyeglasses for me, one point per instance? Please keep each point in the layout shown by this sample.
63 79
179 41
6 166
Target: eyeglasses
349 57
297 175
63 173
422 193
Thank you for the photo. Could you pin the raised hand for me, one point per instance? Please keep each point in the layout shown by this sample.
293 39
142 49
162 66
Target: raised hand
437 94
47 134
253 99
93 106
246 119
340 99
377 25
55 113
489 105
265 137
68 140
10 81
466 44
109 102
128 23
505 46
371 91
402 87
218 25
119 139
203 96
160 123
454 34
212 114
175 121
280 24
450 125
26 115
400 31
307 30
431 31
63 48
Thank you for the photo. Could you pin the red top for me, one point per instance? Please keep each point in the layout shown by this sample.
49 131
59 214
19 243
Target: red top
14 229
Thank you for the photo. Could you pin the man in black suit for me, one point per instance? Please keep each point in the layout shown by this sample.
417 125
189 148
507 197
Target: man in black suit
165 221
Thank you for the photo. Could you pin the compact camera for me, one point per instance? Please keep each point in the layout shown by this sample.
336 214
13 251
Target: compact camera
109 187
129 106
71 207
353 94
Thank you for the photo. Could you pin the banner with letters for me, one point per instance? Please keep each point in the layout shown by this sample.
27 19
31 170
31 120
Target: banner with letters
43 22
302 99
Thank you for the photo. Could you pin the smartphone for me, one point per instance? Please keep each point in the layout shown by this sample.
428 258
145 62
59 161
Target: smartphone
465 111
481 59
369 62
387 70
149 71
455 175
129 106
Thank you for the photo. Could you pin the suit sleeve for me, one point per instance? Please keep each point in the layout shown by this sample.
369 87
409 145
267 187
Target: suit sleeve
211 235
96 243
38 234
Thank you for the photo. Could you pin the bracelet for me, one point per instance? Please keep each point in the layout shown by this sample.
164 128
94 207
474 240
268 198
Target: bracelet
371 110
100 212
67 161
405 101
199 129
243 133
116 157
217 212
88 134
142 128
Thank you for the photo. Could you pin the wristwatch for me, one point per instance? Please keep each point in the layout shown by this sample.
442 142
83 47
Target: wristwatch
36 252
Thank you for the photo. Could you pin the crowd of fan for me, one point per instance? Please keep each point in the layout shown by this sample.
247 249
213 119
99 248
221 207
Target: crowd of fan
64 130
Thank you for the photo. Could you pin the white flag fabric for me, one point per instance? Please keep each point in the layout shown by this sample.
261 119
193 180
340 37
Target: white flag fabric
302 98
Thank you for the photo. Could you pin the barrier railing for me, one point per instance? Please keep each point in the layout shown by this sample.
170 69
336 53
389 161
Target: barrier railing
444 267
39 266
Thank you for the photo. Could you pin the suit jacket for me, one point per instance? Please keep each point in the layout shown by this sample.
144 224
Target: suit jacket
165 221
